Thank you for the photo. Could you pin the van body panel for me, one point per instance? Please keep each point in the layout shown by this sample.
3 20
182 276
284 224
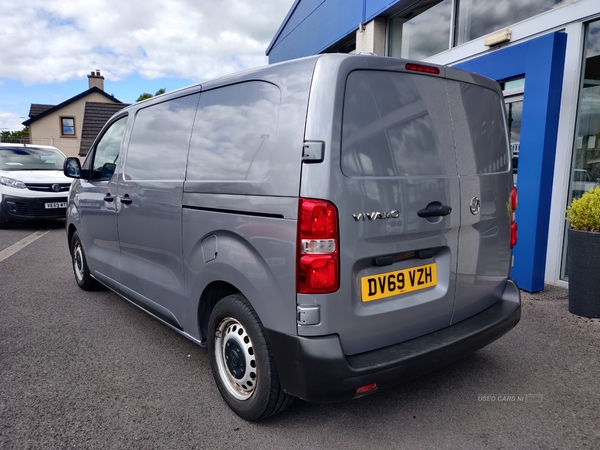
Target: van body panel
255 254
98 225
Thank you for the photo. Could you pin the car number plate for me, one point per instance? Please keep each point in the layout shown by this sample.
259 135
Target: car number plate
375 287
55 205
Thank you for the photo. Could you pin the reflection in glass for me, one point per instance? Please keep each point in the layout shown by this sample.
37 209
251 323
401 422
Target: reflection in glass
477 18
107 150
423 32
514 114
586 152
166 128
486 126
387 128
234 132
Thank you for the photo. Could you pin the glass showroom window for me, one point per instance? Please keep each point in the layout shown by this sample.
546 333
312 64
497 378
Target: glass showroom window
585 172
67 126
477 18
421 33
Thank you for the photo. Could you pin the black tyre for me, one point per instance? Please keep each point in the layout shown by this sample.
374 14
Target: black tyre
80 267
241 360
4 224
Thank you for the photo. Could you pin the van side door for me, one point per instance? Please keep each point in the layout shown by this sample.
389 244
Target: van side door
150 197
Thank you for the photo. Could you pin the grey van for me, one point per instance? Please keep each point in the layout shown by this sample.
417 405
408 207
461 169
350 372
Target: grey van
327 227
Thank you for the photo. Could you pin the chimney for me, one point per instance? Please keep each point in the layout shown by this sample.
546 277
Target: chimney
96 80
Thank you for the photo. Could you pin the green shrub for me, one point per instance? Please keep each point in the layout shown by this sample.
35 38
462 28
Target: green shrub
584 213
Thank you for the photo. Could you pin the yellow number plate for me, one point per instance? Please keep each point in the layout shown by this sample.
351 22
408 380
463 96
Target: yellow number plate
375 287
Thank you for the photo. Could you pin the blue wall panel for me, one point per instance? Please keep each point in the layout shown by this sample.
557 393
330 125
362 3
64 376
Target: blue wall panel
541 60
326 21
310 29
374 8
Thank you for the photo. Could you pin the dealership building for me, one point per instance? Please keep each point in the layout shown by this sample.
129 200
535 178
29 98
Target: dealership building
544 53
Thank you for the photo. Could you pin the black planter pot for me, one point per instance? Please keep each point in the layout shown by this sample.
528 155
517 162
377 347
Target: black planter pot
584 273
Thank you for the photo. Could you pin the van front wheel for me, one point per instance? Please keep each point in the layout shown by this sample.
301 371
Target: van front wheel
241 360
80 267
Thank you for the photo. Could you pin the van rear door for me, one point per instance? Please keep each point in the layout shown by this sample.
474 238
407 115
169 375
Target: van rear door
394 181
483 156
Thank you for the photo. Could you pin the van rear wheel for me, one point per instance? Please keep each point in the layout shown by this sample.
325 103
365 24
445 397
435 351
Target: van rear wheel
80 267
241 360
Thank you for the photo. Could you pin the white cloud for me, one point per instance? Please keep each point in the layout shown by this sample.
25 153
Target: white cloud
57 40
10 121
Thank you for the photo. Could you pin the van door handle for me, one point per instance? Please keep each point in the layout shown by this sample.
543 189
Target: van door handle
108 198
435 209
126 200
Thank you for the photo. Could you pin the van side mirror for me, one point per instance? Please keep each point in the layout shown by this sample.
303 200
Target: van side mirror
72 168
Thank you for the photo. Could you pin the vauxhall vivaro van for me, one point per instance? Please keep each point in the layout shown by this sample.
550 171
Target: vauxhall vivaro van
327 227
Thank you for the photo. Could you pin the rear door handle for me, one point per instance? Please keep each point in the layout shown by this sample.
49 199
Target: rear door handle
108 198
435 209
126 200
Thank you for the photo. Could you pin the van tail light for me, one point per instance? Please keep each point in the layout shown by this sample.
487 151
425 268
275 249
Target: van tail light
514 202
317 251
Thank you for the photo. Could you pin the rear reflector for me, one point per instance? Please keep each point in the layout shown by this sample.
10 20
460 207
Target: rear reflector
364 389
513 234
422 68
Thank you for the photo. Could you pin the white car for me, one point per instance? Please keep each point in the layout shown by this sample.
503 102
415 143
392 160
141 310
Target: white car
32 185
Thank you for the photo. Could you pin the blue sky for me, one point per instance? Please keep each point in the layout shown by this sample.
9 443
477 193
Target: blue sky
47 47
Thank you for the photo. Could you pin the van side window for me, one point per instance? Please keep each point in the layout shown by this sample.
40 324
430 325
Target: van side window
107 151
160 139
396 124
234 133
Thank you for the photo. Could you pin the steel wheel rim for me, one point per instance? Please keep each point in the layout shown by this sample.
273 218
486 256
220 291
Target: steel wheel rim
235 357
78 261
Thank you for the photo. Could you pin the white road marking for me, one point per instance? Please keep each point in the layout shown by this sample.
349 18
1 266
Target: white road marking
8 252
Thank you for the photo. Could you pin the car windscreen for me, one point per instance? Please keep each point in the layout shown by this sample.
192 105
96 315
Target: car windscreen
30 158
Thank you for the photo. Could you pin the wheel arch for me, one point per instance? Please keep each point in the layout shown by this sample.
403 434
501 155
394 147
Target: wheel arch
214 292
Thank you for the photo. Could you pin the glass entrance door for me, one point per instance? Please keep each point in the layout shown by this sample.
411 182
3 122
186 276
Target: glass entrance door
585 165
514 113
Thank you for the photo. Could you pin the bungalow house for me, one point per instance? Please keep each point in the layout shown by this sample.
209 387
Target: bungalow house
73 125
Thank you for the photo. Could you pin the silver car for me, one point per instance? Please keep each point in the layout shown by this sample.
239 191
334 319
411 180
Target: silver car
328 227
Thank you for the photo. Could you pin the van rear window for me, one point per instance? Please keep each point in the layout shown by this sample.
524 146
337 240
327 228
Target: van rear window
479 128
399 124
396 124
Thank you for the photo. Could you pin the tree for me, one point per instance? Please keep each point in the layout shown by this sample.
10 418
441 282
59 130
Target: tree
146 95
15 137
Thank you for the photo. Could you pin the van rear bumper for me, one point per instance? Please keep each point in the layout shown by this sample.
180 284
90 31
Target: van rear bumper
316 369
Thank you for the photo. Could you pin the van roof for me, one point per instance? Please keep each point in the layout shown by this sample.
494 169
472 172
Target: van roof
272 73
